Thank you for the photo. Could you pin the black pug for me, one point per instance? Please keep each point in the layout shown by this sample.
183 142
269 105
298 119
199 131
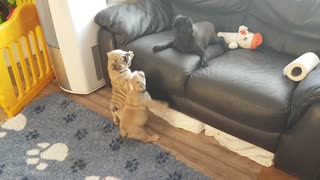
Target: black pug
192 38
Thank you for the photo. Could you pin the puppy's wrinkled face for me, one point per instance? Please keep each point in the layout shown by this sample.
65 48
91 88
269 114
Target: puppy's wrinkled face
119 60
138 81
182 25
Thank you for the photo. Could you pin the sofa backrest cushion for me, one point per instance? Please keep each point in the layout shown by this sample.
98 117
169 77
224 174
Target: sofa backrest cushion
215 6
133 20
226 15
290 26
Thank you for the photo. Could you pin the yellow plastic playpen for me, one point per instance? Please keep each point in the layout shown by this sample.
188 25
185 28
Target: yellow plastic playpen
21 2
25 66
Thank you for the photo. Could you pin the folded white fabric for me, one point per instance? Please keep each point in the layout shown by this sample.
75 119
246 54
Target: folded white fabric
241 147
179 120
299 68
234 144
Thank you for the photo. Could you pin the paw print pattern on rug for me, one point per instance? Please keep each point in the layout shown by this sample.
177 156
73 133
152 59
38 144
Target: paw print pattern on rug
16 123
162 158
101 178
69 118
65 104
1 169
44 152
32 135
78 165
175 176
115 144
81 134
132 165
109 128
39 109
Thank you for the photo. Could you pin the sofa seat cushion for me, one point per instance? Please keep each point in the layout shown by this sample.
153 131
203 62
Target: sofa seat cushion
166 71
247 86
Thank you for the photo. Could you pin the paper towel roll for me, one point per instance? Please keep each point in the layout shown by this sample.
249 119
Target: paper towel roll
299 68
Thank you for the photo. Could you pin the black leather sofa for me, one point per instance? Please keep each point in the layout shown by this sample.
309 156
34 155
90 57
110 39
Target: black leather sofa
242 92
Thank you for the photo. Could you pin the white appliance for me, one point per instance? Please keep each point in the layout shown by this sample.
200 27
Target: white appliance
71 36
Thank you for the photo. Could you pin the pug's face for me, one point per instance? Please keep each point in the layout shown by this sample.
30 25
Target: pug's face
138 81
182 25
119 60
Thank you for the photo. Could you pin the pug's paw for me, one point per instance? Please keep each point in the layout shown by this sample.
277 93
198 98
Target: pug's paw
204 64
156 49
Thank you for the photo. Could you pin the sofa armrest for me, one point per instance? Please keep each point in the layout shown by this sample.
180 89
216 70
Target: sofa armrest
106 43
306 93
298 151
133 20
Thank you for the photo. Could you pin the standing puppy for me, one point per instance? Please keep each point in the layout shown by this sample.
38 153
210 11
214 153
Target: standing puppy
134 116
119 62
192 38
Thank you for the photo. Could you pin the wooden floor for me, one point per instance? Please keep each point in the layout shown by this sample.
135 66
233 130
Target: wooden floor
200 152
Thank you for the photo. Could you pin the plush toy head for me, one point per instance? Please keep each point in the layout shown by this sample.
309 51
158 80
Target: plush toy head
119 60
243 38
249 40
138 81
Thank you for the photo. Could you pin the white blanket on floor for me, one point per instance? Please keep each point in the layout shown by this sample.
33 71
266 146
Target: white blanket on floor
234 144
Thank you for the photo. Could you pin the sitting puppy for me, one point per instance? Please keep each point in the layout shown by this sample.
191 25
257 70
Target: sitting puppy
192 38
134 116
118 68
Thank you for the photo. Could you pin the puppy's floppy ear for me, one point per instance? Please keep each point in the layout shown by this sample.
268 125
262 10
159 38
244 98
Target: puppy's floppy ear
141 73
189 21
133 75
110 57
109 54
176 19
131 54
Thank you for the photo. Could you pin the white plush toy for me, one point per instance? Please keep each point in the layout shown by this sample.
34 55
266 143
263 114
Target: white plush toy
243 38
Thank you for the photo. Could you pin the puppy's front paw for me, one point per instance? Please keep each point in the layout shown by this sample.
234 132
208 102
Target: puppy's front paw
203 64
156 49
233 45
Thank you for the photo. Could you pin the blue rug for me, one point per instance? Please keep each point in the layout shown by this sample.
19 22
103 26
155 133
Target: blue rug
55 138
